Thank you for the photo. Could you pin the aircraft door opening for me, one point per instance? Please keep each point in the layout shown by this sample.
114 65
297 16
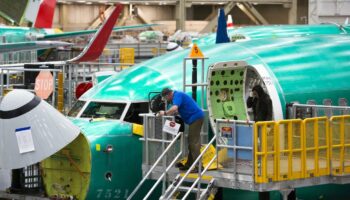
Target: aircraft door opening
229 86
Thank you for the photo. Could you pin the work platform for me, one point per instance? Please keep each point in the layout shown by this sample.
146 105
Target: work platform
263 156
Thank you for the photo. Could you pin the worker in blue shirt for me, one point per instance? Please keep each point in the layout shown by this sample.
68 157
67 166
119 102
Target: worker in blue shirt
192 115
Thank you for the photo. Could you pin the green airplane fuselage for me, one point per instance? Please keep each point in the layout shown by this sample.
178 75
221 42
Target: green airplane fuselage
301 68
245 33
21 34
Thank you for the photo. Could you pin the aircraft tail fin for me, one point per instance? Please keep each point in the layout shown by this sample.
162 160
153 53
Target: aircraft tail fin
229 22
40 13
221 32
45 14
96 45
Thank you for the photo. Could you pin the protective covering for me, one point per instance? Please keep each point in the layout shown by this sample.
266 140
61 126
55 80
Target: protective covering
31 130
150 36
173 46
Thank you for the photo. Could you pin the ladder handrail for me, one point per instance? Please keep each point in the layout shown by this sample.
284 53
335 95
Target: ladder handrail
163 174
193 165
210 185
154 165
199 177
320 106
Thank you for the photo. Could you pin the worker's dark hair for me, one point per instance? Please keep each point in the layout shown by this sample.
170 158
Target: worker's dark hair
166 91
258 89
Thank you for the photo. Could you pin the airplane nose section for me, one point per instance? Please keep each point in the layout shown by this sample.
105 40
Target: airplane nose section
31 130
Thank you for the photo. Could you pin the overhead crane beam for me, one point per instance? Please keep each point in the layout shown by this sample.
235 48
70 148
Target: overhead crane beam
248 13
144 18
208 28
98 21
250 8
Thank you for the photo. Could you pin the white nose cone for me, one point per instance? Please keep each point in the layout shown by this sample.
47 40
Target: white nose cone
31 130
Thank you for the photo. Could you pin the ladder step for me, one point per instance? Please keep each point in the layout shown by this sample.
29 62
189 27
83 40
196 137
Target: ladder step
196 84
211 190
185 189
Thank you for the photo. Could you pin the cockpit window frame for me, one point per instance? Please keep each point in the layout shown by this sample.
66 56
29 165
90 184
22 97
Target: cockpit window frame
80 111
122 117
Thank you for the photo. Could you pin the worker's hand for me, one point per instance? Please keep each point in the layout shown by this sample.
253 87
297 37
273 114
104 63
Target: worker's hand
251 94
161 113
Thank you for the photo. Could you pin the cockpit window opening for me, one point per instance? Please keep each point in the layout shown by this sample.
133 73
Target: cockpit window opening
74 111
134 110
103 109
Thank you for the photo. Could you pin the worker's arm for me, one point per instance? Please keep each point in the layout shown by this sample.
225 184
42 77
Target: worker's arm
171 111
250 102
269 110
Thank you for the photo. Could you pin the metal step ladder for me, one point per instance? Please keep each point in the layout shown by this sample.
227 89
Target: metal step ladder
196 187
207 192
162 157
201 193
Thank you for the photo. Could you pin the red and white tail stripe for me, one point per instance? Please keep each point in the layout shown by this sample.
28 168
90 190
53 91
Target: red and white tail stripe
229 22
96 45
40 13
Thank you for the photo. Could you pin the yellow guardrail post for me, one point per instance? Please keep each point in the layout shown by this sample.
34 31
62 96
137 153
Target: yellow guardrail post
338 142
290 134
277 152
256 167
303 150
318 145
262 153
60 95
298 148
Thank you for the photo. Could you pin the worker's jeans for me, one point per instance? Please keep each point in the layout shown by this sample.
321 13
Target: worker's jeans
194 141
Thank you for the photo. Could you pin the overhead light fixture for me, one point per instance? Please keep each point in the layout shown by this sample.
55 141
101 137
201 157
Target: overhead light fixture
89 2
81 1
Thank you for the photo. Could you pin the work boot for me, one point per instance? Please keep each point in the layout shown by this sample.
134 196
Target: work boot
184 168
179 164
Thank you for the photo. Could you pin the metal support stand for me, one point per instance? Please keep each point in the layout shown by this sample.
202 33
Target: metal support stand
285 193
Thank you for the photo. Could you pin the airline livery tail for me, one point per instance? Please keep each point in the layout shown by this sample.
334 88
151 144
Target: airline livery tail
40 13
96 45
221 32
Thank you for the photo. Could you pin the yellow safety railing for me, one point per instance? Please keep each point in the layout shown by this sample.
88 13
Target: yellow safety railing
265 152
340 144
291 149
60 93
290 143
317 157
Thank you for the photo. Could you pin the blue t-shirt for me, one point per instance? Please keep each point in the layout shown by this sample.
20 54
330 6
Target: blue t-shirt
187 107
